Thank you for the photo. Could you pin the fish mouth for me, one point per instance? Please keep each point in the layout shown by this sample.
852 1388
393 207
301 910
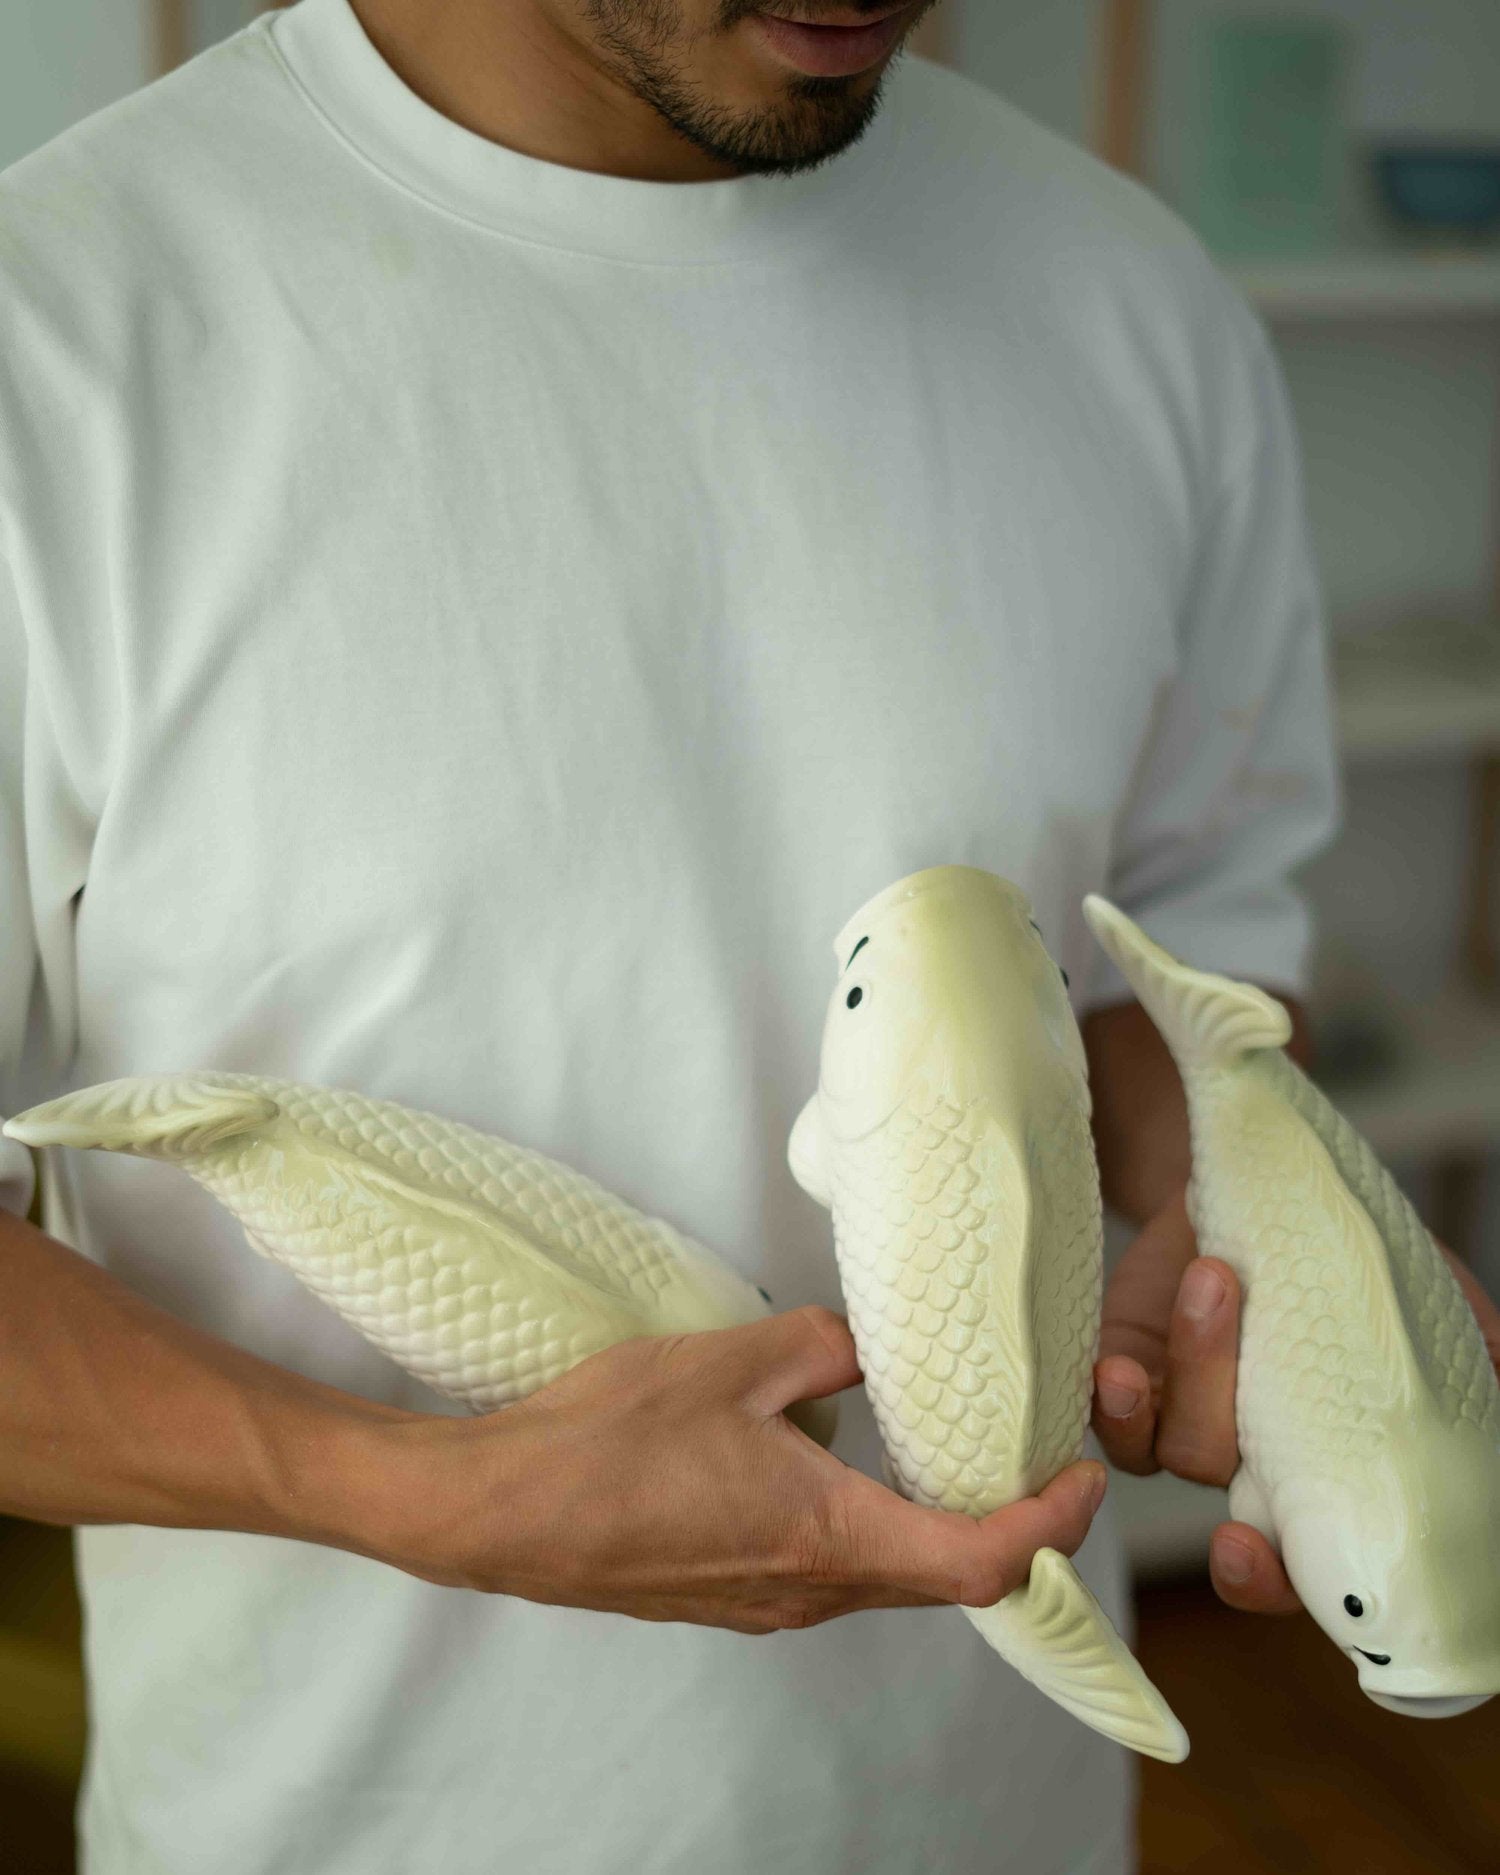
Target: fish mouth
1427 1705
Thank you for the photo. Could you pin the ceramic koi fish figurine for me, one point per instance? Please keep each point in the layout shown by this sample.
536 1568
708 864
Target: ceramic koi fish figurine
1367 1408
483 1269
949 1136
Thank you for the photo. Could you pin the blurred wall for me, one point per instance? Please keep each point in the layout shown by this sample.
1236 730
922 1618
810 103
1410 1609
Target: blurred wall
61 59
1398 417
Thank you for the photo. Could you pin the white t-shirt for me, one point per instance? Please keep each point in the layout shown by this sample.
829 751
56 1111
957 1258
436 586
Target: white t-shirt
472 631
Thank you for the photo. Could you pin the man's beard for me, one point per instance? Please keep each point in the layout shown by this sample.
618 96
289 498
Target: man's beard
818 118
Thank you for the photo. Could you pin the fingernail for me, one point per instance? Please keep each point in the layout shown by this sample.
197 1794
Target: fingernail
1233 1562
1117 1401
1201 1294
1095 1488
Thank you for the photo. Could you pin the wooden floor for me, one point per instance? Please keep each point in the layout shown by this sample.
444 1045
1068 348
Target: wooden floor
1293 1771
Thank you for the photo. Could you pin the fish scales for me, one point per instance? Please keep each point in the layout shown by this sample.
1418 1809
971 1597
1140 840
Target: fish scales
1444 1333
1313 1390
423 1290
917 1260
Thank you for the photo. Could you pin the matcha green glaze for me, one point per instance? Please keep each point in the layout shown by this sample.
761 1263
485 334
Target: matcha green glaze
949 1136
1367 1406
484 1269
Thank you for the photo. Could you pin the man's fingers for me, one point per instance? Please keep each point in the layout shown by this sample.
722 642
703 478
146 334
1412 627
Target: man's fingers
951 1557
805 1354
1247 1572
1138 1299
1124 1414
1195 1433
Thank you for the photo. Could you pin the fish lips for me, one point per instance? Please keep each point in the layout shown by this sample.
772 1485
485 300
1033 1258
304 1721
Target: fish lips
1416 1694
1426 1705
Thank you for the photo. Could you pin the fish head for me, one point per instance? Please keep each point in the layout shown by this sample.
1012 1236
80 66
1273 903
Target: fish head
942 976
1401 1572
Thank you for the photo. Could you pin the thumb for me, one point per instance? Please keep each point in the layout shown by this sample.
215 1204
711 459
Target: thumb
978 1560
804 1354
1058 1517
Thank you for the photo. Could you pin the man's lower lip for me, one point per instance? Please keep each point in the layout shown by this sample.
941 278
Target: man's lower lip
831 51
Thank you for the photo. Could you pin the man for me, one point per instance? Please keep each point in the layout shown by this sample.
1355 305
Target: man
517 516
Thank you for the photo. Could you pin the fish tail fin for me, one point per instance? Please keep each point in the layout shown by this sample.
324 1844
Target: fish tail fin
1055 1634
1206 1020
156 1116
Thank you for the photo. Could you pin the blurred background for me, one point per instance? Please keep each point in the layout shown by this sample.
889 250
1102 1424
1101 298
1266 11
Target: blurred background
1342 157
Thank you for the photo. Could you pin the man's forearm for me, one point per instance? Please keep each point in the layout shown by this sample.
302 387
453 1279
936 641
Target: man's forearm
113 1411
1140 1111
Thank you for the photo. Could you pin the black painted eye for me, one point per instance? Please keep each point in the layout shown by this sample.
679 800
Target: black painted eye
855 997
1353 1606
1067 980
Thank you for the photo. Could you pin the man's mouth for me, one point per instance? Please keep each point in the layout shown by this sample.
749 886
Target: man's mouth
833 44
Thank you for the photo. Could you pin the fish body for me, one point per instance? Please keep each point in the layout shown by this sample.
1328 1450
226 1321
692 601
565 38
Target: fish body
1367 1409
484 1269
949 1137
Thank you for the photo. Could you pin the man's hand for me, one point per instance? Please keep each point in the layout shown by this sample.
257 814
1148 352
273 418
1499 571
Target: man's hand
661 1479
1164 1386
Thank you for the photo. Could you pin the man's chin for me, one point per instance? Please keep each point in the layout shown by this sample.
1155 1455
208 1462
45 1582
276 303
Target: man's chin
815 120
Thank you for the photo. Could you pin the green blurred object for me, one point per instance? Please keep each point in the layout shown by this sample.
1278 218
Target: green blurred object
1268 135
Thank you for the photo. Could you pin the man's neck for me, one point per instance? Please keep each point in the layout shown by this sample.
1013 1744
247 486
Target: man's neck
508 71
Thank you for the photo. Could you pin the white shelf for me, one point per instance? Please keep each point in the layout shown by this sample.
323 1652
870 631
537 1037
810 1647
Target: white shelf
1375 284
1418 692
1443 1094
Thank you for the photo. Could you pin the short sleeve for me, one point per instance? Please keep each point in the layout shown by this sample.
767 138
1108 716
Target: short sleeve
1237 784
17 940
41 870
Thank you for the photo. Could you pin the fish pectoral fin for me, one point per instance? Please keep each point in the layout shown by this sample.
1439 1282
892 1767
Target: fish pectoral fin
1055 1634
804 1153
1249 1504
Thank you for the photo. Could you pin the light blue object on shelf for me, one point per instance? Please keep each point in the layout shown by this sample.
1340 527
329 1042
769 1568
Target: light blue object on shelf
1442 187
1265 172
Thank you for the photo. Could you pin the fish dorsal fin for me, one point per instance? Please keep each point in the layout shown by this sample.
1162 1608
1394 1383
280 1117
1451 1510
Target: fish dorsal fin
1064 1279
1056 1635
163 1116
1206 1020
1415 1305
805 1154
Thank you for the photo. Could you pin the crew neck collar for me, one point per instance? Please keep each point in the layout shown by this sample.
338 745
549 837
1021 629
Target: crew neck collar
328 56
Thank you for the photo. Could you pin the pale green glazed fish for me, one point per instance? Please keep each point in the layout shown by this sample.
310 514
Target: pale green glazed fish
484 1269
1367 1407
949 1136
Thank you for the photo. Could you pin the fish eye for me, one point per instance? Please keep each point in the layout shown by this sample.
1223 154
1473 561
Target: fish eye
855 997
1353 1606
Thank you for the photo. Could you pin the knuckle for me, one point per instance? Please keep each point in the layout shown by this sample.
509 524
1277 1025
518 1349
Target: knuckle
800 1612
822 1546
1184 1454
984 1583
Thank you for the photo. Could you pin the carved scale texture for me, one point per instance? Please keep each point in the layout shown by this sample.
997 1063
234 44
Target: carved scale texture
1321 1366
1444 1335
484 1269
975 1327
